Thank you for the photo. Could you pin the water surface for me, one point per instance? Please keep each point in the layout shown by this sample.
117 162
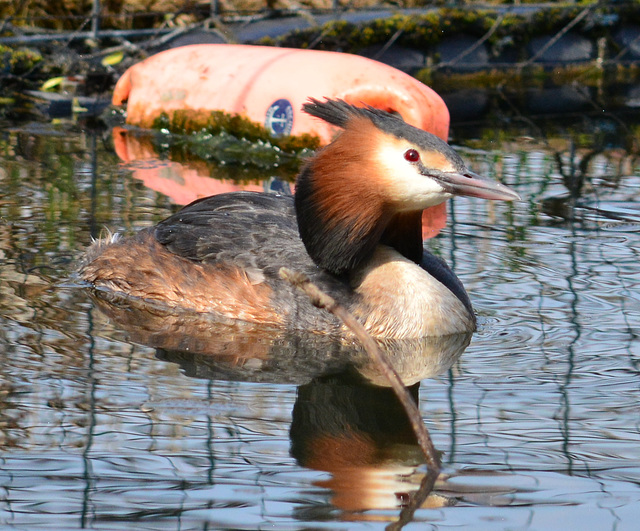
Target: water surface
113 419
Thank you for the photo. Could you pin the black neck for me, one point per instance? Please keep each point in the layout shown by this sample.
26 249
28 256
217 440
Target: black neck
340 246
342 240
404 234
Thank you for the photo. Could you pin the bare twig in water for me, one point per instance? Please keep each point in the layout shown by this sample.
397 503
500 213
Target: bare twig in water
322 300
426 487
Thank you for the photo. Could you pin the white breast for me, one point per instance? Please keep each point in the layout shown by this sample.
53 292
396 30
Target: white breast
402 300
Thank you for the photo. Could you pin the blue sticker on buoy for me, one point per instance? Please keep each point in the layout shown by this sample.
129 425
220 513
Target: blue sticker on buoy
279 118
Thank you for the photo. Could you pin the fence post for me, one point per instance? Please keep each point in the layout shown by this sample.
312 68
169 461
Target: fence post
95 19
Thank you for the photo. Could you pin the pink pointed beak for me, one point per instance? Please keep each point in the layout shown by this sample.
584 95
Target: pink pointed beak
473 185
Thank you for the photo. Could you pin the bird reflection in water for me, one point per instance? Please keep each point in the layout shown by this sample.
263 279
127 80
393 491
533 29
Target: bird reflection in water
346 421
361 435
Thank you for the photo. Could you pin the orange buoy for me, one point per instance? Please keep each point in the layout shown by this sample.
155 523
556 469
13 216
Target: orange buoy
268 85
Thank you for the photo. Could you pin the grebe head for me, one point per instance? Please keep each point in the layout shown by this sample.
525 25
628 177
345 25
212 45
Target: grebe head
377 169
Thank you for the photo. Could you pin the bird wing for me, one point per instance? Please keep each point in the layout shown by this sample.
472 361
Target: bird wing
258 233
248 229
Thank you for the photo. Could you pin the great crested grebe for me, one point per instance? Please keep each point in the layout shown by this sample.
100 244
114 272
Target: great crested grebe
354 227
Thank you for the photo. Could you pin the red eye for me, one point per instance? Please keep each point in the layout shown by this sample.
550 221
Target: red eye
412 155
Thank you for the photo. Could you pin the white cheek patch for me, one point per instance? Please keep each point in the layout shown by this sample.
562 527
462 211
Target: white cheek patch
403 184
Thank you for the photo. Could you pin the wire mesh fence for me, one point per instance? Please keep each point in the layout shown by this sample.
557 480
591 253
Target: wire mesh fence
41 21
422 38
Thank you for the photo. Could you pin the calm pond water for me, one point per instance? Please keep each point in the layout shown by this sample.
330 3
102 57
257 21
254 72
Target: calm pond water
117 419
